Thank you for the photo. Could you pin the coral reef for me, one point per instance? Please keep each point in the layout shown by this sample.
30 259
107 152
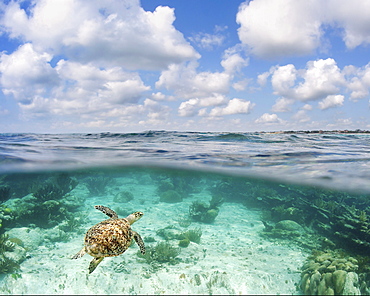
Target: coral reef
184 243
55 188
192 235
49 203
123 197
201 212
22 184
29 211
73 223
184 221
286 229
170 196
171 233
48 192
182 182
162 252
97 184
11 255
330 273
4 193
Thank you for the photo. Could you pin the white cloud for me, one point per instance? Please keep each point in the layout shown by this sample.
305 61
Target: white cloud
184 80
208 41
233 63
69 88
321 78
203 89
87 82
275 28
241 84
331 101
282 105
234 106
359 81
158 96
354 19
283 79
189 108
113 33
268 118
301 116
307 107
262 78
26 73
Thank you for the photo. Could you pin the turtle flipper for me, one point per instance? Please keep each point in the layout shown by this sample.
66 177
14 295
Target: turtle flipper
80 253
94 263
139 242
109 212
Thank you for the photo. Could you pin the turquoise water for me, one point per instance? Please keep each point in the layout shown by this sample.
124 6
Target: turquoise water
224 213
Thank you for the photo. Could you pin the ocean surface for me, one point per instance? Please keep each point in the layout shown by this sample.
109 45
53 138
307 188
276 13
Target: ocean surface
224 213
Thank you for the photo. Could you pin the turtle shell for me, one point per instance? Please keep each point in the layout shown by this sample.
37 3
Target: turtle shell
108 238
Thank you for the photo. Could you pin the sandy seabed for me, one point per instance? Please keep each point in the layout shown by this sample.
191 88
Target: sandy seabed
232 258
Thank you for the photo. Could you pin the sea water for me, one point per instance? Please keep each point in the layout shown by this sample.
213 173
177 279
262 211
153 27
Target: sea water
224 213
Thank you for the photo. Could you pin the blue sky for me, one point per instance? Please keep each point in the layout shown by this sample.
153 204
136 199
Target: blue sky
126 66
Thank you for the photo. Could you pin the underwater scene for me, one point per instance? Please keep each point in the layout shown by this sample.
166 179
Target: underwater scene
185 213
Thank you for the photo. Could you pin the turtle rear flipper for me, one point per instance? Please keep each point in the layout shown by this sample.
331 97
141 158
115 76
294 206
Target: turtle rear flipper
109 212
94 263
80 253
139 242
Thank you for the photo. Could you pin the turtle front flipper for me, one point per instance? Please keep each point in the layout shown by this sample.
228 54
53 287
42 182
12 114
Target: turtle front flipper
109 212
80 253
139 242
94 263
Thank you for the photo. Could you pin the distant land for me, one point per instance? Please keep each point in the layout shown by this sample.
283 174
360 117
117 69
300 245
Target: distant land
357 131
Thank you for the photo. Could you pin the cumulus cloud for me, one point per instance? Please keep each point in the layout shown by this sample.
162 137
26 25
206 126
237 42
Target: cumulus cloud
331 101
262 78
184 80
79 59
232 61
27 73
321 78
192 107
69 88
275 28
159 96
301 116
282 105
279 28
307 107
268 118
283 79
359 81
189 108
208 41
354 19
203 89
234 106
113 33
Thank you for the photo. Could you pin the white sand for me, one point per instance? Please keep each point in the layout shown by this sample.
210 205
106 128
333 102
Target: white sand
231 259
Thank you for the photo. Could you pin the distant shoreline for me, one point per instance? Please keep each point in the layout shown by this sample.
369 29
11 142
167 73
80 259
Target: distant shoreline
357 131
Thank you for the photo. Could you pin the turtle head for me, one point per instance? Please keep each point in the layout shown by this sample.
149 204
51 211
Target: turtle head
134 217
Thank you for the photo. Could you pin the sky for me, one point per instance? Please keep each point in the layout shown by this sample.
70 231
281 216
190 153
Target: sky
71 66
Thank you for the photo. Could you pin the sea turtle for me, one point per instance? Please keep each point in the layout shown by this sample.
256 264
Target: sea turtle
111 237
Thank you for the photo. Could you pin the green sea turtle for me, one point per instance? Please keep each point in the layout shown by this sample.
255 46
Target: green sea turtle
111 237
